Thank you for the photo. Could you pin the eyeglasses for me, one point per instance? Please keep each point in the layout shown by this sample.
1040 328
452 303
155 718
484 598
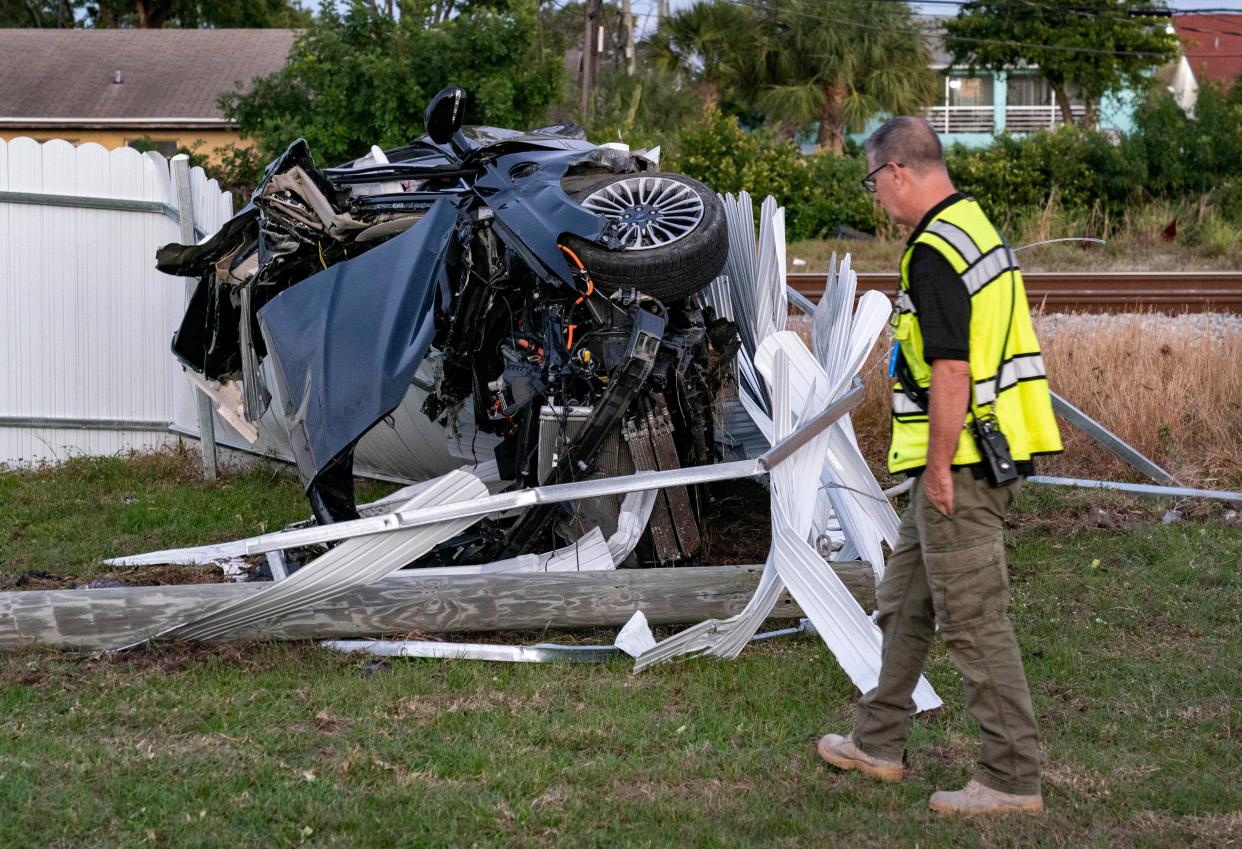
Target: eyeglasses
868 182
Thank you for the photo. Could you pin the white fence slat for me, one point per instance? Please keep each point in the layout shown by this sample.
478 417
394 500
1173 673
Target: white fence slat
25 174
8 283
56 300
25 165
86 318
98 240
203 194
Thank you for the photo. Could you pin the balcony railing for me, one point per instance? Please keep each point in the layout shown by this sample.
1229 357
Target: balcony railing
962 119
982 119
1026 119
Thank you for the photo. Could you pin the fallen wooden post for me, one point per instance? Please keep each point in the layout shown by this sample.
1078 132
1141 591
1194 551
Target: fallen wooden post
406 603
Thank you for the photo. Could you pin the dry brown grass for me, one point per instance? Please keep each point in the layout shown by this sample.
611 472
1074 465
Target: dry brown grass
1165 385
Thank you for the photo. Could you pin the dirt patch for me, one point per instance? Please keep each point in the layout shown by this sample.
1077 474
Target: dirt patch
358 760
138 576
328 723
1077 516
426 709
35 580
1061 703
168 657
707 792
1076 781
1213 829
46 668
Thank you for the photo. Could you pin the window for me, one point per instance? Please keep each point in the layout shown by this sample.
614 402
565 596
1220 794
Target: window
1028 91
969 91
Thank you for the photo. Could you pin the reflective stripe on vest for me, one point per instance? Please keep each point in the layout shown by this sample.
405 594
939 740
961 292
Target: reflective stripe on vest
957 237
1025 367
988 269
1021 401
903 406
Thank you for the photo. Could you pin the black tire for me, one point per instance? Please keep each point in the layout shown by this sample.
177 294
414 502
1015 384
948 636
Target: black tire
668 273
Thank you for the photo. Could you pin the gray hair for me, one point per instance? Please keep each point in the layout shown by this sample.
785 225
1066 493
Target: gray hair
907 140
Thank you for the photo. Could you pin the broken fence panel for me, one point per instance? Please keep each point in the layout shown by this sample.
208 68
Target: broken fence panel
356 562
844 346
483 506
632 519
849 633
635 636
506 501
589 553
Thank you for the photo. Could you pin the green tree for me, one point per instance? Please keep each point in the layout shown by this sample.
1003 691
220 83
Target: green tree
1092 46
646 109
40 14
153 14
190 14
1188 155
708 45
840 62
361 76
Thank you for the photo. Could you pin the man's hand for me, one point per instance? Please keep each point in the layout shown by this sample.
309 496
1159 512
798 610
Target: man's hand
948 398
938 484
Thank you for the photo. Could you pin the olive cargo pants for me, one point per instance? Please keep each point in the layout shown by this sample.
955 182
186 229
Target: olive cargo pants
951 570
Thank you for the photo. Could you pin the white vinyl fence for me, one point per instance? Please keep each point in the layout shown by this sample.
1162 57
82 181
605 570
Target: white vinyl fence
85 319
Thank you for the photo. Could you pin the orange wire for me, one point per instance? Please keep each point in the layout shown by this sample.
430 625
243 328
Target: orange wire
590 283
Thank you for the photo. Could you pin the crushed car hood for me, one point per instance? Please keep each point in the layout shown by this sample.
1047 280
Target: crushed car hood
346 342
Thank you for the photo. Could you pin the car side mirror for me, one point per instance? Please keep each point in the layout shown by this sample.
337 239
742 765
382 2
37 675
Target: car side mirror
444 114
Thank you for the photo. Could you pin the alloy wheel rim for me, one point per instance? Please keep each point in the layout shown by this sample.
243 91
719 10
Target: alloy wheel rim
652 212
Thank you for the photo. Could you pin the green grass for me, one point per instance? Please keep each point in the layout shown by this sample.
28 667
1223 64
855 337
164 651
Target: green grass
62 520
1131 638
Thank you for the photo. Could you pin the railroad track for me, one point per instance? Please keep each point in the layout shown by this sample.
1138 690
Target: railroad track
1107 291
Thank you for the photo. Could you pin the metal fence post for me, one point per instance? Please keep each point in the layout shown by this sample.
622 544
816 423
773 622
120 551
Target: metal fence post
185 211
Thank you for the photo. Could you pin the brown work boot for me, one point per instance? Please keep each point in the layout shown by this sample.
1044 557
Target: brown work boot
842 753
976 798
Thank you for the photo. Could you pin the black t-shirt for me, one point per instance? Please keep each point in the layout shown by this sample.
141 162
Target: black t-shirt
942 304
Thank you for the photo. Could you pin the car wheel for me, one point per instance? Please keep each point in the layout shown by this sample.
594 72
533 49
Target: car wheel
674 237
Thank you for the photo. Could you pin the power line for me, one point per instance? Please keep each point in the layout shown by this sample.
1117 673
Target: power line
1153 10
754 4
1166 13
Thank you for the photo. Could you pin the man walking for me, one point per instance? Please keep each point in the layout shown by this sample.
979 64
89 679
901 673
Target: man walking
966 360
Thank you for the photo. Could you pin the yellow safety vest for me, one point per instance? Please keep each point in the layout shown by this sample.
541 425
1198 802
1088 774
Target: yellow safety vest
962 234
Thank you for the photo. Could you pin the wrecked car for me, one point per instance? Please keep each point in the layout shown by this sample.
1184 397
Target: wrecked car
547 283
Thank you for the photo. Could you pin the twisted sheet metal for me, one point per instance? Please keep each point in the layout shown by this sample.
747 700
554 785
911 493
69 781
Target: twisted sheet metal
794 379
538 653
354 563
847 630
584 554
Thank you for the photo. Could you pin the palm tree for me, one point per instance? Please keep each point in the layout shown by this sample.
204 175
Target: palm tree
706 44
841 62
